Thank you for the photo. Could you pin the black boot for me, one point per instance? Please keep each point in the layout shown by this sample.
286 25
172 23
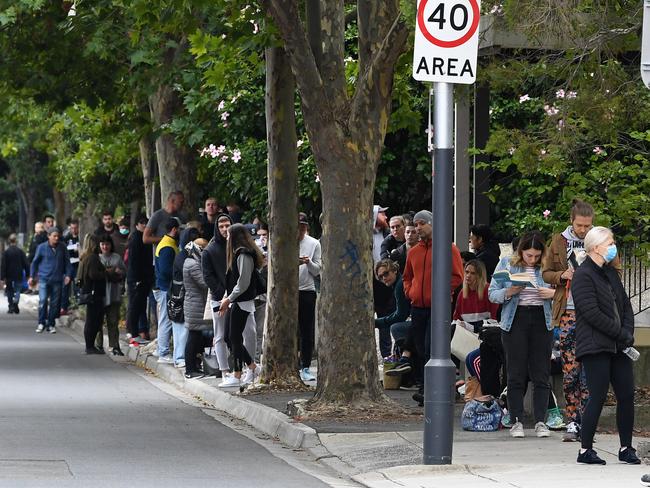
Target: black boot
117 352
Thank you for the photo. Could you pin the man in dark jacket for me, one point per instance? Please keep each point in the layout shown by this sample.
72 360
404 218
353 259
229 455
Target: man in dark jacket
139 280
51 268
213 264
485 247
14 264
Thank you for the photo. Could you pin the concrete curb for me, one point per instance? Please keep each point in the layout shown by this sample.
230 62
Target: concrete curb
264 419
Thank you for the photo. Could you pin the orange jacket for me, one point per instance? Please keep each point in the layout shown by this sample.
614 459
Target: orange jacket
417 273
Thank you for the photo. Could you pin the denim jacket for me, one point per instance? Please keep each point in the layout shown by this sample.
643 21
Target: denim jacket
497 294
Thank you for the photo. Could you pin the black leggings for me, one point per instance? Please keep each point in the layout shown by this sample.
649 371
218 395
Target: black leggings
237 320
193 347
601 370
93 324
306 325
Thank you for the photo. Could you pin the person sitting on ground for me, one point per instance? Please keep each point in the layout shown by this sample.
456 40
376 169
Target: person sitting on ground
387 272
115 274
485 247
604 330
194 302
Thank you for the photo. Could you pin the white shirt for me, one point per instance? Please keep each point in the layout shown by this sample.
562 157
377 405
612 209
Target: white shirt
309 247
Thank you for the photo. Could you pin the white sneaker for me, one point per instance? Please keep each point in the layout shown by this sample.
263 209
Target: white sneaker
40 328
541 430
52 330
306 375
180 364
230 382
166 360
517 430
249 376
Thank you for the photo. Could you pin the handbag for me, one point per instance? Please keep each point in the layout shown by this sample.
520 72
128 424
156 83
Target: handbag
175 301
86 297
481 415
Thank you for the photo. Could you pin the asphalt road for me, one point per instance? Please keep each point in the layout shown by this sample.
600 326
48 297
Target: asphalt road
67 419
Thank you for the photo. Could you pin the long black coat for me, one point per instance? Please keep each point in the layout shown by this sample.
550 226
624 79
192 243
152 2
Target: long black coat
14 263
598 295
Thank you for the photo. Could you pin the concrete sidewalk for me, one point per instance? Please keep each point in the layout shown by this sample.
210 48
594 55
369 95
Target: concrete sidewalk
390 455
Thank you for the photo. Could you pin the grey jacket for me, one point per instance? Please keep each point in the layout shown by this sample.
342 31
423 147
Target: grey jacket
196 292
113 288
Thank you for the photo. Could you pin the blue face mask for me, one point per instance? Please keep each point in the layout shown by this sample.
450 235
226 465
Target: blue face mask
611 253
124 231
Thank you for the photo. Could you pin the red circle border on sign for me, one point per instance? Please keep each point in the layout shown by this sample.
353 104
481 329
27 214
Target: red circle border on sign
438 42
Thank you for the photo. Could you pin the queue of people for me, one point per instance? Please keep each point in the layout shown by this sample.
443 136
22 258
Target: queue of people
206 279
574 284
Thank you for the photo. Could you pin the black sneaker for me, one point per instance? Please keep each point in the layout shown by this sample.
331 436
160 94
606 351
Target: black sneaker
590 457
94 350
194 375
402 367
419 397
645 480
628 456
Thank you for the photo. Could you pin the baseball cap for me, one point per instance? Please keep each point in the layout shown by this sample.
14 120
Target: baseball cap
302 218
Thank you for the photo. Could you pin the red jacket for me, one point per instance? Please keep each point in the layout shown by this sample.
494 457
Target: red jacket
417 273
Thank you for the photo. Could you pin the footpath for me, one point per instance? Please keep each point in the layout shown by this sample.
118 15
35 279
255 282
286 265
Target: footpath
389 455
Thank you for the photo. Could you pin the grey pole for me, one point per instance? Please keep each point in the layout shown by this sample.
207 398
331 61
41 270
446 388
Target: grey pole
439 371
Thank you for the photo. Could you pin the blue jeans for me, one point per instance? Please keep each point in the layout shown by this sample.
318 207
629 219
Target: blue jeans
164 324
49 302
12 290
180 333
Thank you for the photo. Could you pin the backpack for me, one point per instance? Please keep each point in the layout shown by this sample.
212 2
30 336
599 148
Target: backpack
175 301
482 414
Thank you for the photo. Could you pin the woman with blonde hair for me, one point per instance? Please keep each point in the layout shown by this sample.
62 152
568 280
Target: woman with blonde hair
526 331
92 283
604 331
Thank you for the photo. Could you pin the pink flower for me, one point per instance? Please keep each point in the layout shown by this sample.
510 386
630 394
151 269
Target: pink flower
524 98
224 116
542 152
598 151
560 93
511 151
560 124
236 155
221 106
572 94
551 110
224 158
546 213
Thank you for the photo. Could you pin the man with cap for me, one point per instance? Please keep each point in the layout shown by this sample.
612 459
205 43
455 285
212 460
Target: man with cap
384 301
309 266
51 269
417 284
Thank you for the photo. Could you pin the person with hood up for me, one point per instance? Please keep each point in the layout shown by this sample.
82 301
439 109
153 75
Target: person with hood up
214 267
179 329
193 305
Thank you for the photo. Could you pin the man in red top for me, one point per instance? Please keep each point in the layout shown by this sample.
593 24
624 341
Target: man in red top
417 284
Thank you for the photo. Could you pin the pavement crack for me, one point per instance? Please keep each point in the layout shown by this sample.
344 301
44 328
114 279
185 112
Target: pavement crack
388 478
469 470
399 434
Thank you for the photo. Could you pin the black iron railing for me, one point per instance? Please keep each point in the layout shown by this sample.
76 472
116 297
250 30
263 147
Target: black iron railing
636 279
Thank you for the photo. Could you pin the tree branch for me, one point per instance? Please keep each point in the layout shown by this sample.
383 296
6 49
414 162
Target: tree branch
333 43
374 91
301 57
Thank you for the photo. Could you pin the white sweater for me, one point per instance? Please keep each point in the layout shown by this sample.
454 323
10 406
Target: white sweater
306 272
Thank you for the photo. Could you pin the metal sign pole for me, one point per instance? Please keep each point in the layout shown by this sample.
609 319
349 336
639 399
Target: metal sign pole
439 371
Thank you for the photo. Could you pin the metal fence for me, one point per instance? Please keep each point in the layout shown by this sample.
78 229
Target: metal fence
636 279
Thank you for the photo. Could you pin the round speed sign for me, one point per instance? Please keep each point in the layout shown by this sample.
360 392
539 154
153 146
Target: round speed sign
448 24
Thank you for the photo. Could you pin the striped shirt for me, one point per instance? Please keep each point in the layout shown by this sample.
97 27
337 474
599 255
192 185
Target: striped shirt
529 296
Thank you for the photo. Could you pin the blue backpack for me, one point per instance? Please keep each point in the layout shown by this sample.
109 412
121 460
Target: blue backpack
481 415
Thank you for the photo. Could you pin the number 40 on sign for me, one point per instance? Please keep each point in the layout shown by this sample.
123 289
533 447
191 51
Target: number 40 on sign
446 41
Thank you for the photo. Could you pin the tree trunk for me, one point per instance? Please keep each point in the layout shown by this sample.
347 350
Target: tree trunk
176 163
148 162
281 336
88 221
27 197
347 333
59 208
347 135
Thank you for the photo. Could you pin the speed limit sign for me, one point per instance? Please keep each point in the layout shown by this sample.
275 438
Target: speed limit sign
446 41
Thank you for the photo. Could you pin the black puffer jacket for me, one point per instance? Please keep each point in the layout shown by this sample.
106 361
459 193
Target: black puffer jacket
489 254
213 263
598 295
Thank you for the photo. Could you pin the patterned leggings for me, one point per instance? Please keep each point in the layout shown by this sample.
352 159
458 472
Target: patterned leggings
574 382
